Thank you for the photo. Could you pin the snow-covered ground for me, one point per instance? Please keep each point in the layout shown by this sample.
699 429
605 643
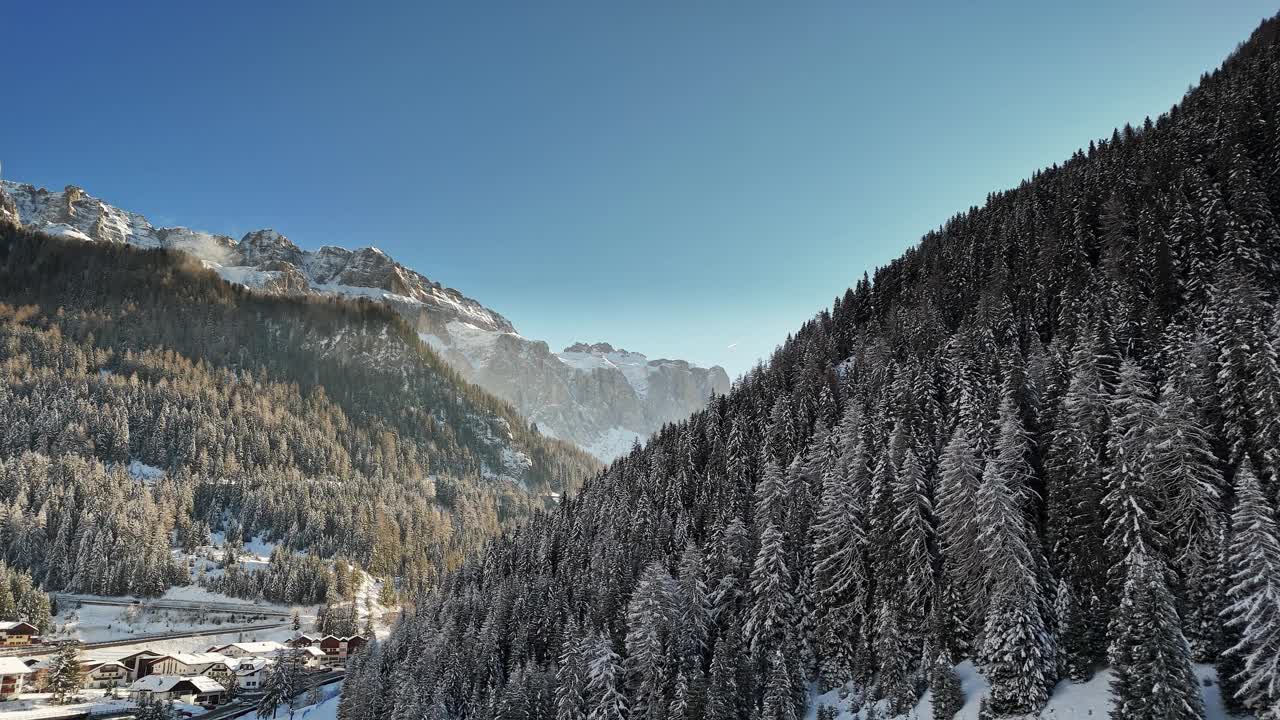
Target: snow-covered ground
32 706
326 709
1070 700
101 623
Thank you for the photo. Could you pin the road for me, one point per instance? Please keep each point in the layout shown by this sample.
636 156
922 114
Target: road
42 650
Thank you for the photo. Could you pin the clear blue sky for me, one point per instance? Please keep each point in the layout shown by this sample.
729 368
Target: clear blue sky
686 179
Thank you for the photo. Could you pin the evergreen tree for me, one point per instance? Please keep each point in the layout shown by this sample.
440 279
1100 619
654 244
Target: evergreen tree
944 684
1150 658
1253 599
1184 473
1017 650
723 698
605 700
649 619
773 604
779 700
571 679
959 474
283 683
65 676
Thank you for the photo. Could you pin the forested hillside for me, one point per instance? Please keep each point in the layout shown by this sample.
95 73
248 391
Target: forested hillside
323 424
1045 439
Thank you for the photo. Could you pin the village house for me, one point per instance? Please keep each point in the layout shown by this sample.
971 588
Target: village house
134 662
13 673
302 641
313 658
103 674
251 673
192 690
185 664
335 649
17 633
248 649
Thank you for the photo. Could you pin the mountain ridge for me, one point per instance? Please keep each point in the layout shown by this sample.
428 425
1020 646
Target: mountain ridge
595 404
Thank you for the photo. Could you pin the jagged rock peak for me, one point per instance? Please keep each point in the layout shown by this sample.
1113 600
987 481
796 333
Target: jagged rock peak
266 245
600 348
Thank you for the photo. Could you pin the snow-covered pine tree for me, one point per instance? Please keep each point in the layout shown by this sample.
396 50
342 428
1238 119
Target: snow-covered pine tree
284 682
1150 658
605 699
649 619
1073 478
944 684
571 674
839 552
724 701
1253 599
679 707
1130 500
897 676
773 602
779 700
1017 651
65 677
1184 474
914 533
959 474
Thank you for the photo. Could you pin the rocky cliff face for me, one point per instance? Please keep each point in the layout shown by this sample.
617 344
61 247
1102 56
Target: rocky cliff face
601 398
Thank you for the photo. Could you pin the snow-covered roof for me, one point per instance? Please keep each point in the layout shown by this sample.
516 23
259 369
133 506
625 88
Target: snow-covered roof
13 666
12 625
253 648
165 683
248 666
309 650
91 665
193 659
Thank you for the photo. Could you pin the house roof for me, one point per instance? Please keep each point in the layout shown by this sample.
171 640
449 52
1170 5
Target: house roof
248 666
18 625
91 665
310 650
13 666
195 659
253 648
167 683
139 654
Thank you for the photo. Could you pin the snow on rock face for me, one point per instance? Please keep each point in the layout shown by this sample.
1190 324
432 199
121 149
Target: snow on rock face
596 396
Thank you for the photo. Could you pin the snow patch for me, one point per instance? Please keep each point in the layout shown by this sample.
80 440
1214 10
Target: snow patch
614 442
145 473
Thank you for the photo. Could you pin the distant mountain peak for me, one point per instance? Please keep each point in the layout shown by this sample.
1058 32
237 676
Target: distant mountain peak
594 395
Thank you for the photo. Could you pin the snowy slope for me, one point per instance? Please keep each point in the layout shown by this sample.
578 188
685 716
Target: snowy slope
1070 700
593 395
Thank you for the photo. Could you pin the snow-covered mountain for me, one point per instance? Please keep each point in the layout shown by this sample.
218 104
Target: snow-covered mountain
601 398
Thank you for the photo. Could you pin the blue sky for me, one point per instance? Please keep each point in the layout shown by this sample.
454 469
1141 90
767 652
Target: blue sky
685 179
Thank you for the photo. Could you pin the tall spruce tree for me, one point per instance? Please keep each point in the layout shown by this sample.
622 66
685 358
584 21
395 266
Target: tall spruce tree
1253 599
1150 658
1017 652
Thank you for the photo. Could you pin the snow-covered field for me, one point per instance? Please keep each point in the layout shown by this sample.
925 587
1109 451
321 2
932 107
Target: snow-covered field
101 623
32 706
1070 700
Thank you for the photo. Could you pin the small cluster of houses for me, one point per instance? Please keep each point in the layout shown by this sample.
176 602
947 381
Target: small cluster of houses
186 677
